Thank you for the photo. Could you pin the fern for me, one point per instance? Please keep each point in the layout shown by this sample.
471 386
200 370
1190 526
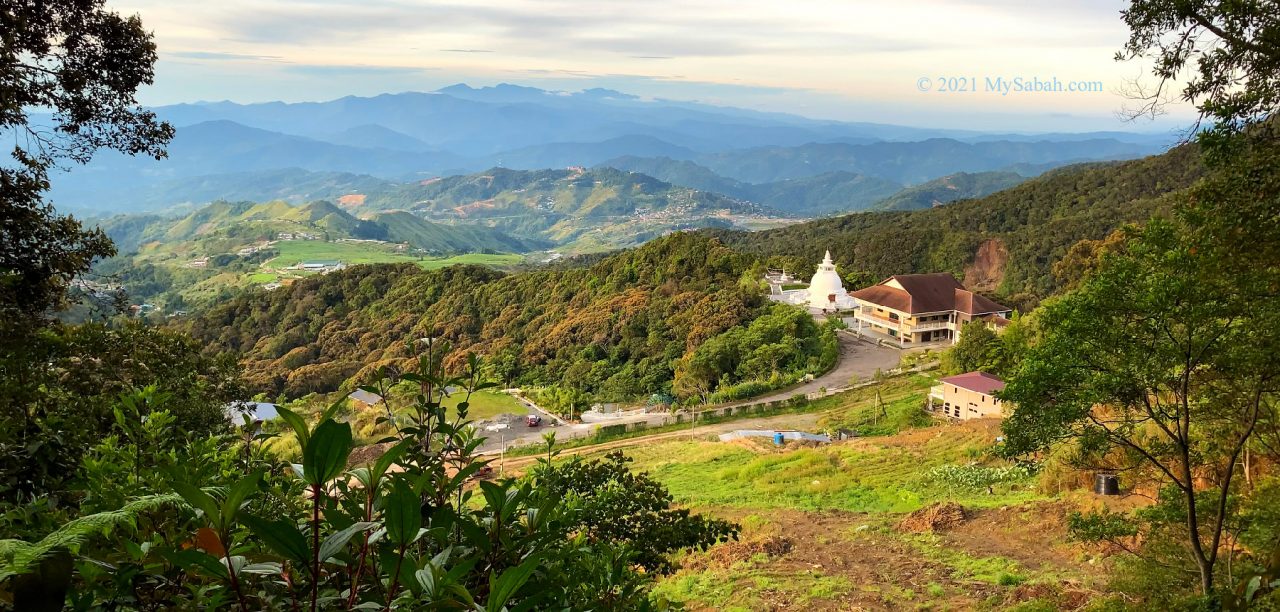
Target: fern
18 557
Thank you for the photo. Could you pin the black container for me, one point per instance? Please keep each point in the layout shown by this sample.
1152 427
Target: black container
1106 484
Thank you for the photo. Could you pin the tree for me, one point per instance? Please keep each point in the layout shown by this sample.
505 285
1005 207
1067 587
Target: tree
1166 356
1231 50
979 348
610 503
84 64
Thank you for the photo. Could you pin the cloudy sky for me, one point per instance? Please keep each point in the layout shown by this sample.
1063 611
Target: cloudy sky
840 59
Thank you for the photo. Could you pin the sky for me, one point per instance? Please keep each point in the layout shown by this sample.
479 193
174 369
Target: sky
854 60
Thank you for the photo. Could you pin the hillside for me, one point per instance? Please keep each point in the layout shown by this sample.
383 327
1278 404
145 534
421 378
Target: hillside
1006 242
958 186
209 227
582 209
614 329
823 194
909 162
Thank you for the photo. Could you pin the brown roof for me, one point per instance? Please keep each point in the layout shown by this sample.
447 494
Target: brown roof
980 382
923 293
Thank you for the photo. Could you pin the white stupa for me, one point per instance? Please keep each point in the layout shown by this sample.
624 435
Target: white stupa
826 290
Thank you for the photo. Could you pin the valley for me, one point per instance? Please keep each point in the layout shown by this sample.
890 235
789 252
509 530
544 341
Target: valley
649 317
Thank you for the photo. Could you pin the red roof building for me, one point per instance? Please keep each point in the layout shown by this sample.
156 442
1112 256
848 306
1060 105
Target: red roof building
922 309
968 396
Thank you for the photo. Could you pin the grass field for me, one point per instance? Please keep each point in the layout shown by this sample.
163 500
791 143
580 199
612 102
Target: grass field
292 252
819 527
486 404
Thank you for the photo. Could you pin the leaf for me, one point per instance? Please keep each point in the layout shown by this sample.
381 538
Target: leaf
384 462
334 544
208 540
326 455
197 498
192 558
333 409
504 587
281 536
403 514
269 568
298 424
237 494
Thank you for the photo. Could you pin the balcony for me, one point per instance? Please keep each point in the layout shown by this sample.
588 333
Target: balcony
929 325
866 315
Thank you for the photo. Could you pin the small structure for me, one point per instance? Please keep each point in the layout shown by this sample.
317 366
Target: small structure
364 399
968 396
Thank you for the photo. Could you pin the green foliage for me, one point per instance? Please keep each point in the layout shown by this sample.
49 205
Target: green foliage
610 503
82 65
978 477
613 330
773 350
1035 223
980 348
1165 353
62 388
404 530
958 186
1242 53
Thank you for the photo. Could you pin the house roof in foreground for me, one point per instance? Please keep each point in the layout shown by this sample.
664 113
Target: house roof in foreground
980 382
921 293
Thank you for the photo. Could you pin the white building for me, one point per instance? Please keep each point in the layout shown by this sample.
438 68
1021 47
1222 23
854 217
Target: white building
826 291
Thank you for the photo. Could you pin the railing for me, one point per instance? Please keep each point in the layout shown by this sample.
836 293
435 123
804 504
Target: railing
927 325
935 392
864 314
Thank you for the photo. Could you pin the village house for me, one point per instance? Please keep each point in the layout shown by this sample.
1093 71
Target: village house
922 309
364 399
968 396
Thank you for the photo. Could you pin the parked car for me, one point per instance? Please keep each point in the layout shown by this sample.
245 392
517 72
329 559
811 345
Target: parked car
532 420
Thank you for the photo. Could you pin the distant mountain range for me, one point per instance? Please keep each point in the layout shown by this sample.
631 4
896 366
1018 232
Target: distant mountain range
606 207
460 130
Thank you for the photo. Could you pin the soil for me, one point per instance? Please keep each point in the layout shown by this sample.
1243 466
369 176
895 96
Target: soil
932 519
882 567
987 270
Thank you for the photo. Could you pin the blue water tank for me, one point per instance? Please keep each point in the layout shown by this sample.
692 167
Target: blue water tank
777 438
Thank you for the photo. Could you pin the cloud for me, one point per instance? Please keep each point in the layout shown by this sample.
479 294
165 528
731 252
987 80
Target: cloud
340 70
467 50
213 55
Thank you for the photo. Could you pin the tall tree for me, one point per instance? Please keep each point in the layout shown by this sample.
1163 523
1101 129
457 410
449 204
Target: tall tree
1226 52
69 74
1165 355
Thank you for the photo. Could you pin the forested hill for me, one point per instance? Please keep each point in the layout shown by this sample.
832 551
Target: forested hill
614 328
223 226
1006 242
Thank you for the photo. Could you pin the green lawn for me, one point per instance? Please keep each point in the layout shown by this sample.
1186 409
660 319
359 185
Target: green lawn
486 404
864 476
294 251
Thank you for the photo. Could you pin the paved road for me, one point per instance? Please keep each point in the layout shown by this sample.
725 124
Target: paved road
856 358
784 421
